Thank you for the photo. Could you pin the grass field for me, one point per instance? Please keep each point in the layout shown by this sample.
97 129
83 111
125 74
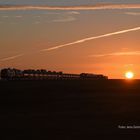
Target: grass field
70 109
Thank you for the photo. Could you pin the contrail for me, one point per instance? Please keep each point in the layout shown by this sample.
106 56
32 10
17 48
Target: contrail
86 7
116 54
84 40
133 13
91 38
11 57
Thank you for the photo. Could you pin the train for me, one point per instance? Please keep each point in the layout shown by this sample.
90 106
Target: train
42 74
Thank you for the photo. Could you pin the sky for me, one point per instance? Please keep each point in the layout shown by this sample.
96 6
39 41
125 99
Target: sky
73 36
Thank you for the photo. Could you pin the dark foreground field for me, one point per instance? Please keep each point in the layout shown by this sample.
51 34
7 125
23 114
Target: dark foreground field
70 109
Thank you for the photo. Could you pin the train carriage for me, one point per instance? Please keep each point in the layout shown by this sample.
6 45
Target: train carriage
15 74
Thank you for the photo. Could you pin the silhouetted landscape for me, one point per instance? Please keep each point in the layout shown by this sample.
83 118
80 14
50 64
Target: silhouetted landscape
69 69
70 109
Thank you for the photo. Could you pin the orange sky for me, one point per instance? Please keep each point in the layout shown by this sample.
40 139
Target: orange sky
25 33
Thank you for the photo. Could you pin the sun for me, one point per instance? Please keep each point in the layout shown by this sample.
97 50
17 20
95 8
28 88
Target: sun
129 75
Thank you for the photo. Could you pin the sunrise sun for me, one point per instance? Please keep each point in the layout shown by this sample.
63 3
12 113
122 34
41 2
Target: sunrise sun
129 75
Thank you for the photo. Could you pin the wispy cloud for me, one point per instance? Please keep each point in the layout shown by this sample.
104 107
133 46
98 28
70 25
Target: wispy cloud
84 40
67 16
51 13
133 13
5 16
93 7
11 57
18 16
67 12
37 22
73 13
91 38
64 19
128 65
116 54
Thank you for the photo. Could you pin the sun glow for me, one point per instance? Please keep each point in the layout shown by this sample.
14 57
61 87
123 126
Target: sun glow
129 75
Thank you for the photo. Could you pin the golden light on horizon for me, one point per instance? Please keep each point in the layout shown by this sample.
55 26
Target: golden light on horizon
129 75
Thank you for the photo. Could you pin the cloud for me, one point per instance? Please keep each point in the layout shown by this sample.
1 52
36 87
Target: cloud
37 22
51 13
128 65
133 13
65 19
84 40
93 7
5 16
73 13
18 16
11 57
65 16
91 38
117 54
58 13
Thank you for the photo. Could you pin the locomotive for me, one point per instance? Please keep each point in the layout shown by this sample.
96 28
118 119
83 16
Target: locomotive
92 76
16 74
